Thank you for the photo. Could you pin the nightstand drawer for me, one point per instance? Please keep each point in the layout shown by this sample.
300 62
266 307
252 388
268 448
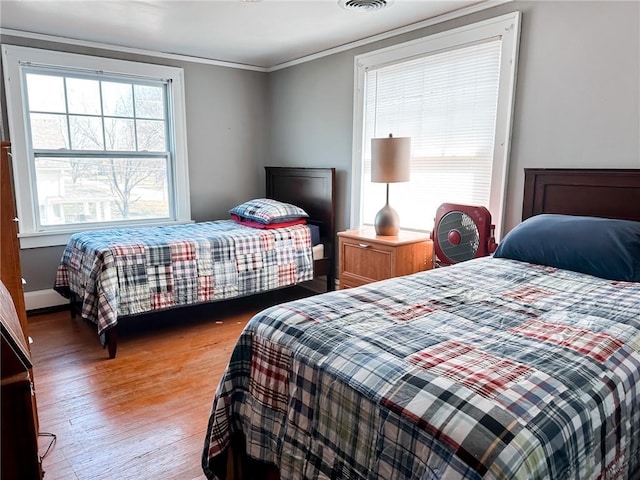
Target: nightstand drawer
366 262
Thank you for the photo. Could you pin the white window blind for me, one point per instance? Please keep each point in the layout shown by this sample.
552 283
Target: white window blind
452 93
446 102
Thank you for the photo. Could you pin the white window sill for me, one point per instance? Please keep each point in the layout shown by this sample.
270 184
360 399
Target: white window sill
53 239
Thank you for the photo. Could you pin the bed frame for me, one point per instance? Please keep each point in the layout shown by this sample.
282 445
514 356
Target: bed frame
313 190
611 193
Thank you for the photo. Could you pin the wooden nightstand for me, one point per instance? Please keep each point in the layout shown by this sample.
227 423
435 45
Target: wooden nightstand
365 257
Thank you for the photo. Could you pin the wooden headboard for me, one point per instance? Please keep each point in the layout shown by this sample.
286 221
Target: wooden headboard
313 190
610 193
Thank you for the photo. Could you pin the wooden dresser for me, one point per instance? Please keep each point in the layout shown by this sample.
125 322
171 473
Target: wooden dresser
365 257
19 441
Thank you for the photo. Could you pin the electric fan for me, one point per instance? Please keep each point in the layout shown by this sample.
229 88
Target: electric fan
462 232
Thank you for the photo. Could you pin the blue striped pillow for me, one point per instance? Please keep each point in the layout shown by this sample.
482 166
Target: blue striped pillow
267 210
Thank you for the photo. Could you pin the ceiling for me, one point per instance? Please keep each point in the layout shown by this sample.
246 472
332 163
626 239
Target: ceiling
256 34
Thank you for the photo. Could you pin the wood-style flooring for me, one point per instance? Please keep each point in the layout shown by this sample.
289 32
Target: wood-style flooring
142 415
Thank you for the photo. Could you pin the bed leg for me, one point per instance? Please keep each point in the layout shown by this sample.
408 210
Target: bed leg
240 467
331 280
112 341
75 305
235 459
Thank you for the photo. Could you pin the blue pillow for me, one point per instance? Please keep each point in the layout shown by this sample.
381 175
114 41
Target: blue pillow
602 247
267 210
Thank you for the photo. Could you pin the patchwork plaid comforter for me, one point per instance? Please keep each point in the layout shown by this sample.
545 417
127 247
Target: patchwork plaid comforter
136 270
487 369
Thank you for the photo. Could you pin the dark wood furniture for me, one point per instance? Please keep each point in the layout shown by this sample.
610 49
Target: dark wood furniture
10 271
19 420
611 193
313 190
365 257
19 441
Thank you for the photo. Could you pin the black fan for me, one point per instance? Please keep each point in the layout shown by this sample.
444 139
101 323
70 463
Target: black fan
462 232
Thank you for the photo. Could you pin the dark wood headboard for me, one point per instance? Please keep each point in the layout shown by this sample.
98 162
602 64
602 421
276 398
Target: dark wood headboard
610 193
313 190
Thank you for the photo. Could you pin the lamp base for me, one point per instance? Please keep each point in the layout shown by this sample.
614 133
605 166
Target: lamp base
387 222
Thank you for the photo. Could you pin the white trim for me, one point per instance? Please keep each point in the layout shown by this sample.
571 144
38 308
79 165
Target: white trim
504 118
134 51
208 61
13 57
49 298
506 26
50 239
43 299
478 7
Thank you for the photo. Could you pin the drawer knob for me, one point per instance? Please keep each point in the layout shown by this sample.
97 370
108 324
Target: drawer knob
363 245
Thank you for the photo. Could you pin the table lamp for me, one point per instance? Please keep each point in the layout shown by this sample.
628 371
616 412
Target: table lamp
389 164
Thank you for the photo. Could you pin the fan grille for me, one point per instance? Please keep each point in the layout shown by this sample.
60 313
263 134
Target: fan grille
364 5
469 236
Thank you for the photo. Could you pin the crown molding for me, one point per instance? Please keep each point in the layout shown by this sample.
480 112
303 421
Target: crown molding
208 61
136 51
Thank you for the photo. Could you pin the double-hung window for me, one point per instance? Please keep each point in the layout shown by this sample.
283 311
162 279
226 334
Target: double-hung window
452 94
96 142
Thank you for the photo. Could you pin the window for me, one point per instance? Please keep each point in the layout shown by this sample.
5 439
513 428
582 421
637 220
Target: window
96 142
452 94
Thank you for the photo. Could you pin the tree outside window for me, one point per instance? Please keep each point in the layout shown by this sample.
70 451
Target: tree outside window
100 148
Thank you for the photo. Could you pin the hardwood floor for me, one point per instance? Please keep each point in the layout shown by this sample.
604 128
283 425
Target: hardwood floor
142 415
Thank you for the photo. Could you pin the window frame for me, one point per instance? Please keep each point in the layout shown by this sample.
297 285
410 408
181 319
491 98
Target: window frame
506 27
23 164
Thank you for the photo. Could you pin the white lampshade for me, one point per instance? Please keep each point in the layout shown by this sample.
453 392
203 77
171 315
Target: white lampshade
390 159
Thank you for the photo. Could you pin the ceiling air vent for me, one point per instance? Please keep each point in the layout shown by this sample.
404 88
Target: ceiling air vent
364 5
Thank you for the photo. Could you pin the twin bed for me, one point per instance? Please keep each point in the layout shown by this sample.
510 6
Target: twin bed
498 367
114 274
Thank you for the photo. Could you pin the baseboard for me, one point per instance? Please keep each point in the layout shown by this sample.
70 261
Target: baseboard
43 299
39 299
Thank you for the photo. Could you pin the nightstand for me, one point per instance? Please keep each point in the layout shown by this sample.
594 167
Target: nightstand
365 257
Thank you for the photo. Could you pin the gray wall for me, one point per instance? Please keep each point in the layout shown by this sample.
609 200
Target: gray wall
577 105
226 140
577 96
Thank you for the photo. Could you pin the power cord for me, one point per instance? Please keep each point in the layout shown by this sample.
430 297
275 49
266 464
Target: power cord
51 443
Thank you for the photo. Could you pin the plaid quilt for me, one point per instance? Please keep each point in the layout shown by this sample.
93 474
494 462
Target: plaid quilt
135 270
491 369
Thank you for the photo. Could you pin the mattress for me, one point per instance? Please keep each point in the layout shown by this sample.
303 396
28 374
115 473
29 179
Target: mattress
318 251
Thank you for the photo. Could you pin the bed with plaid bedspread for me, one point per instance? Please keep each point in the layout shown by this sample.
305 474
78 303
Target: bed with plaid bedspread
491 368
129 271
